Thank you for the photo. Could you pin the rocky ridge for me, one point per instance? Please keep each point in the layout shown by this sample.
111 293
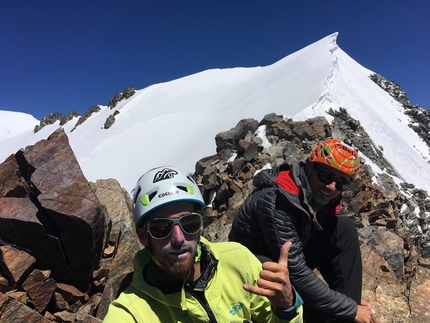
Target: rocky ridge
419 117
51 118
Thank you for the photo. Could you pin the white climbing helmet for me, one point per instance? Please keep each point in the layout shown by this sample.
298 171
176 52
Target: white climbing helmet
161 186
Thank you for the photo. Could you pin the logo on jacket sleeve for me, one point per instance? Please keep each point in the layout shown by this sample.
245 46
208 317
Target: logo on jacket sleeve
236 308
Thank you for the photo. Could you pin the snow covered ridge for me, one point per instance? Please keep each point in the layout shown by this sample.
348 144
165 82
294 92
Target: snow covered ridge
176 122
419 117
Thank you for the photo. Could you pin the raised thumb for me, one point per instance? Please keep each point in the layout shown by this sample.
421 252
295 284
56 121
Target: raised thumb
283 257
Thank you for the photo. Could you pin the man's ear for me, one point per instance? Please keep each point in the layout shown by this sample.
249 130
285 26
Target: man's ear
143 235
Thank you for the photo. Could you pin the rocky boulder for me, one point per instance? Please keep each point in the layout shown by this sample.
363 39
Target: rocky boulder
66 245
45 204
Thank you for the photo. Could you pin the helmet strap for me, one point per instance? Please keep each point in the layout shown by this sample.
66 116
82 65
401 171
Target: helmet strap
318 203
309 167
198 254
157 262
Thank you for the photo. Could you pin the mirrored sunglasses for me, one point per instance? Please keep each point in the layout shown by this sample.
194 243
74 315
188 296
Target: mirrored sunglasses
163 227
327 177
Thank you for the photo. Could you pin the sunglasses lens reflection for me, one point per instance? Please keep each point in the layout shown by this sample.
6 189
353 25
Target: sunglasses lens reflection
191 223
326 177
162 228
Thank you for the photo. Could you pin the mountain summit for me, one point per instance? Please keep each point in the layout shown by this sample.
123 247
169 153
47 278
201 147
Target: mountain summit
176 122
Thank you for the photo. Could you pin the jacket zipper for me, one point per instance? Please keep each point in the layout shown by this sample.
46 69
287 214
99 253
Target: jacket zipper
202 300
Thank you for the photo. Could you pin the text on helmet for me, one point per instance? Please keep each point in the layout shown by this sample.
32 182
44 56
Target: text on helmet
168 193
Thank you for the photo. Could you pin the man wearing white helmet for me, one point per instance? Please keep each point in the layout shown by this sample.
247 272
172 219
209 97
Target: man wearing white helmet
182 277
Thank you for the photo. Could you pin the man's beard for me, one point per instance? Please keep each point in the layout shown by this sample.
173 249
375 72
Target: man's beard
178 269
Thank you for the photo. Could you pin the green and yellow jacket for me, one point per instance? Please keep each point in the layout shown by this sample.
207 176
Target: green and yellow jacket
217 296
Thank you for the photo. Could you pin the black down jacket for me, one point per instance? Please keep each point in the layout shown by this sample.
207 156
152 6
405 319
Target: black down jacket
270 216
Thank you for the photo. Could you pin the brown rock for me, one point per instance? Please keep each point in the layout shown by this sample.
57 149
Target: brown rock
390 247
15 264
223 194
18 295
20 226
65 317
89 308
210 177
247 172
121 267
118 205
70 203
60 302
4 285
87 318
249 148
375 268
316 129
392 305
277 126
108 251
13 311
60 204
39 289
75 307
12 184
420 294
70 293
50 316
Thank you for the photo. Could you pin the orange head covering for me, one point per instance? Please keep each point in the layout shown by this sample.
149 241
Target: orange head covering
337 154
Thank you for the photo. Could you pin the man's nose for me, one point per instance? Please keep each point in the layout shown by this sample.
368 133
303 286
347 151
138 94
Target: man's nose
332 186
177 234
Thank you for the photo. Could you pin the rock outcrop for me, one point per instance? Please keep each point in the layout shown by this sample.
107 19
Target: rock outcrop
93 109
50 118
127 93
61 259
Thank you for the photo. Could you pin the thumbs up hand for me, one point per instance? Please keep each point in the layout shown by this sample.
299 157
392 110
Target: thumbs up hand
274 282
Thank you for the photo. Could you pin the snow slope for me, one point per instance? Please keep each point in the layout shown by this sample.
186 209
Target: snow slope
175 123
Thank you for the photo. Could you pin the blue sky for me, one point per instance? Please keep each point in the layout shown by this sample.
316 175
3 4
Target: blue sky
59 56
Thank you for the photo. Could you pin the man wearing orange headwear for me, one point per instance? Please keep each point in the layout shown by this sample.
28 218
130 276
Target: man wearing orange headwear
299 202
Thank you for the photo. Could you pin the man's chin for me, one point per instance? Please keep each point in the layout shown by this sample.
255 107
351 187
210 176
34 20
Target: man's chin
178 269
326 196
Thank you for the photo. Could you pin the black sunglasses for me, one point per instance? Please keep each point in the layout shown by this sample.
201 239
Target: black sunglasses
327 177
163 227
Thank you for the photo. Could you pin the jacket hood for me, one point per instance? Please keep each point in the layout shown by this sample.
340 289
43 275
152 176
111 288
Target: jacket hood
267 178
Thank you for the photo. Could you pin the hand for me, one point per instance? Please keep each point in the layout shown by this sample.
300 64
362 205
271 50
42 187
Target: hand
274 282
365 313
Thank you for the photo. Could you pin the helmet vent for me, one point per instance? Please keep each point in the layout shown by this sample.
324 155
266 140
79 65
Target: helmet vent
136 195
151 196
182 188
